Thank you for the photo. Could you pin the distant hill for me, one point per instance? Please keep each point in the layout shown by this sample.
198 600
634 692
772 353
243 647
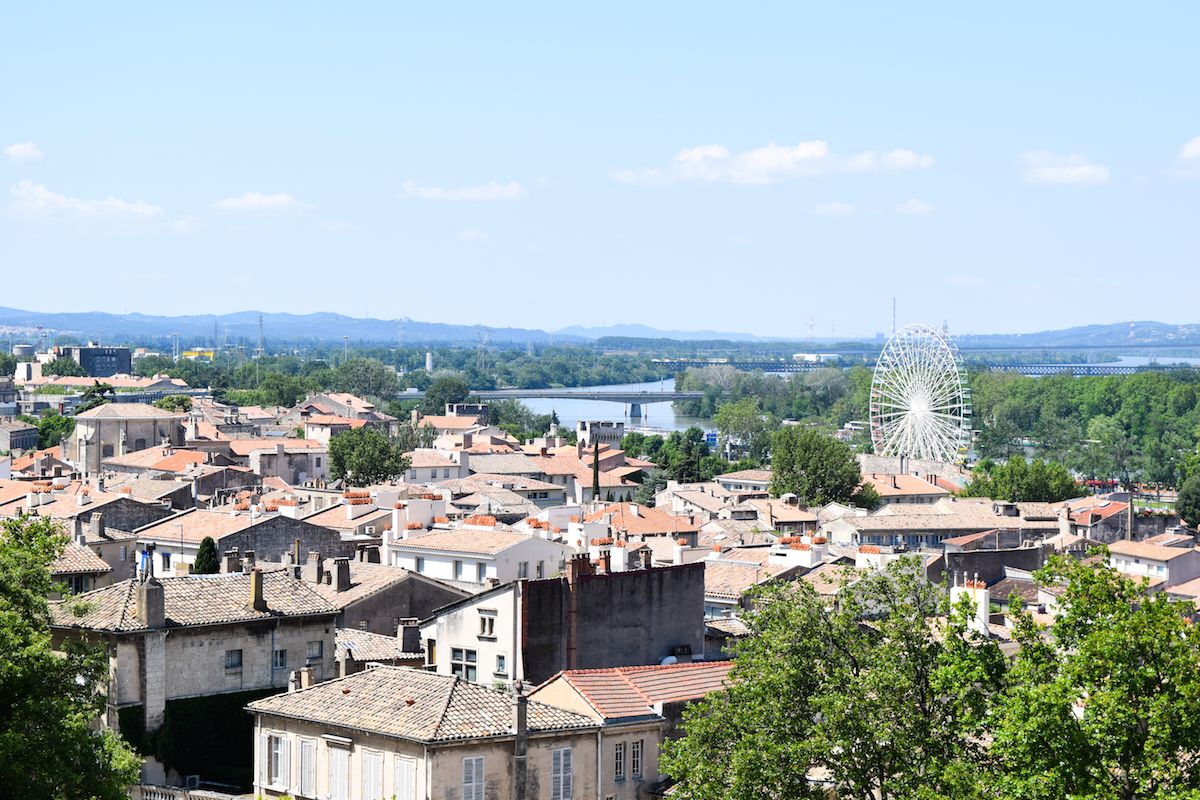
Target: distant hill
646 332
328 327
117 328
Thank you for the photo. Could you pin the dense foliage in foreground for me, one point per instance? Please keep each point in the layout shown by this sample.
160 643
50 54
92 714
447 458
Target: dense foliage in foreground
889 693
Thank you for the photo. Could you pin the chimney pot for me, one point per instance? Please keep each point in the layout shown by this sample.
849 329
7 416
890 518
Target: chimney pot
341 570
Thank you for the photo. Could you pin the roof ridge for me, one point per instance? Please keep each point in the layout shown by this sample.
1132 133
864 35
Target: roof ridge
446 701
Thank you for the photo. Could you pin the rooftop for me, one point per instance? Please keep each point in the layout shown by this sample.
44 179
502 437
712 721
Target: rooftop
629 692
190 600
415 705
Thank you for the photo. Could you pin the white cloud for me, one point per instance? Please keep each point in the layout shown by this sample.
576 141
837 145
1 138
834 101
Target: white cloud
257 201
472 235
834 209
492 190
34 199
771 163
914 207
1189 159
1041 166
23 152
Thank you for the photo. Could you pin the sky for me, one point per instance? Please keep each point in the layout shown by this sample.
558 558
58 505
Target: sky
780 169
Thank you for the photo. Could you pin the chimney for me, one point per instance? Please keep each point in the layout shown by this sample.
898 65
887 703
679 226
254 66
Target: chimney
77 532
341 574
96 525
409 636
257 602
84 496
415 417
635 509
577 567
520 726
248 562
677 551
233 561
372 553
293 681
647 559
606 561
33 499
468 440
306 677
618 558
151 608
312 567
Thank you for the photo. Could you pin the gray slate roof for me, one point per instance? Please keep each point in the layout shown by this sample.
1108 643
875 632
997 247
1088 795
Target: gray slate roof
191 600
416 705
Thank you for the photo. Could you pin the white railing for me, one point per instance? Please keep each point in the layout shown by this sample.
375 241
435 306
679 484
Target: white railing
145 792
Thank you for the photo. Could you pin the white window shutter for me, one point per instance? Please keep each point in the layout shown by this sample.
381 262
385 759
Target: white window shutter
264 759
339 769
566 773
285 763
406 775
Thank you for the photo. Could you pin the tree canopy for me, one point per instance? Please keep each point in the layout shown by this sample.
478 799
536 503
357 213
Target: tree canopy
207 562
174 402
816 468
64 367
52 427
443 390
366 456
1017 479
890 693
1188 504
50 701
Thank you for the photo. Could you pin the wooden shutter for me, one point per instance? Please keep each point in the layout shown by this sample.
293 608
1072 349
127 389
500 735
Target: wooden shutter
406 778
566 773
308 768
264 759
339 773
285 763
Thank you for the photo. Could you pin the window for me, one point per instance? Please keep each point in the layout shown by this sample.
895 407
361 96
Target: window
635 759
523 569
501 666
487 624
412 474
619 761
308 768
560 774
446 472
275 761
339 773
458 570
472 783
316 651
541 569
420 566
372 775
430 652
362 624
139 444
406 779
462 663
279 659
124 552
480 572
106 451
233 659
166 560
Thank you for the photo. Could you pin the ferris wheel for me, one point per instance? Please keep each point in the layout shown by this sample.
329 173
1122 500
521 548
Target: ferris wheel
920 400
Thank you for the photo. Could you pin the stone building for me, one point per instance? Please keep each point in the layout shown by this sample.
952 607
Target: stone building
17 435
115 429
200 635
406 734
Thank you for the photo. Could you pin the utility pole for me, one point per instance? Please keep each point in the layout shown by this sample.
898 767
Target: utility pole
261 349
345 348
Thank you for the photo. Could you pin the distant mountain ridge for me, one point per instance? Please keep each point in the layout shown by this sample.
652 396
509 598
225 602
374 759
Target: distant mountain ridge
199 329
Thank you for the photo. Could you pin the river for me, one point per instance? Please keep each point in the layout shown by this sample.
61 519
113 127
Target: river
657 417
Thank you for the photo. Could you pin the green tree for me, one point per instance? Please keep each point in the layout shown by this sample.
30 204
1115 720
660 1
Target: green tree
64 367
654 482
816 468
743 426
1106 706
1017 479
52 427
174 402
95 395
1188 504
366 456
366 377
443 390
278 389
49 701
885 708
207 562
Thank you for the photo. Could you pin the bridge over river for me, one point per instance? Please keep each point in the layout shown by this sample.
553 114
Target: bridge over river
633 398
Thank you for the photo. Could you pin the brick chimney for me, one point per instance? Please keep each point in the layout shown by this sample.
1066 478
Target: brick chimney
151 605
233 561
96 525
257 601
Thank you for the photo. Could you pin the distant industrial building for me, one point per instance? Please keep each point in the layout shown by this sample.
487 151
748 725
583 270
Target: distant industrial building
100 362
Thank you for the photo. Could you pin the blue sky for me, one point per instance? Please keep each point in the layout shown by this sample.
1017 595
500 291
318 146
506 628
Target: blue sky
1013 167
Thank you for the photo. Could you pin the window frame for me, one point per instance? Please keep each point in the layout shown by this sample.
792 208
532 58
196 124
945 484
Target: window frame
464 663
619 761
562 773
636 756
234 655
478 778
279 659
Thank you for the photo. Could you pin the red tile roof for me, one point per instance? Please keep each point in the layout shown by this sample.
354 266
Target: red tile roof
623 692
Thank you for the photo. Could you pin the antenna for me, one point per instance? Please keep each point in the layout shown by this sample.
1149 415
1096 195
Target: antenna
260 350
175 346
